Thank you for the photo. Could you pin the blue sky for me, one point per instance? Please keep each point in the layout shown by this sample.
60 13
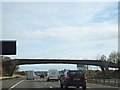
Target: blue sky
78 30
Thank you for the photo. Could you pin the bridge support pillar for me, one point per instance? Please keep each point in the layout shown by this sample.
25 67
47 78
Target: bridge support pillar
105 70
13 68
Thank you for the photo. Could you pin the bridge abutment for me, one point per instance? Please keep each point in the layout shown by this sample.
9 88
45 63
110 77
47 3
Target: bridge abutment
13 67
105 68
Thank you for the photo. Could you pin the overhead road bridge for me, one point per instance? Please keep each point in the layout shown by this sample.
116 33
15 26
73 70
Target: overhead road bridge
103 64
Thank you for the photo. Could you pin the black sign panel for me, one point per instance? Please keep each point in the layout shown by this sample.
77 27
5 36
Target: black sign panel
7 47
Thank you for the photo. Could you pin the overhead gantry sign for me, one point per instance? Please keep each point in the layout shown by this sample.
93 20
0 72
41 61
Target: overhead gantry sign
7 47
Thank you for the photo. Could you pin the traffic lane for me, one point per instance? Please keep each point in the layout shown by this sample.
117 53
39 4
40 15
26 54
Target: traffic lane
37 83
9 83
42 84
89 85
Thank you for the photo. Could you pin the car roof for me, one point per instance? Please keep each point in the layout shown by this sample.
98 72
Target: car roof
75 70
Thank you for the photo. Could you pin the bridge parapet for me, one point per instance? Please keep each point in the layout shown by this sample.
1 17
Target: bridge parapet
103 64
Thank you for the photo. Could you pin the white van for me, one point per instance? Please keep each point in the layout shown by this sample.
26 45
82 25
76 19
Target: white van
53 74
30 75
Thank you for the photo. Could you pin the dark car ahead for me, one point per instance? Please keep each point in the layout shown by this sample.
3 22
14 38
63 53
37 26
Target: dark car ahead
42 76
73 78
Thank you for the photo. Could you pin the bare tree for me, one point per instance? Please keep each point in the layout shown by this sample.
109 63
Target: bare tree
114 57
103 58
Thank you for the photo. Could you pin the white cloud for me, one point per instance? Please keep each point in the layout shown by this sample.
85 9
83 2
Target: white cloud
74 42
60 1
98 32
51 13
68 50
85 39
77 41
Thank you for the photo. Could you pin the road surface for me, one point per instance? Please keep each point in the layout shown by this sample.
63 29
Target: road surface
42 84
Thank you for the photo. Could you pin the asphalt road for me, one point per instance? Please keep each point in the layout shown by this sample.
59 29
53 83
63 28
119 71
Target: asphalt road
39 83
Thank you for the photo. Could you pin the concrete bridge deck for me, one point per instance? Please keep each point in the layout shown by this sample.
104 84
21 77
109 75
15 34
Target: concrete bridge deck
103 64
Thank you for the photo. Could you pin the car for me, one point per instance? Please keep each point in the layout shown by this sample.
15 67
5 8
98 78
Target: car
42 76
73 78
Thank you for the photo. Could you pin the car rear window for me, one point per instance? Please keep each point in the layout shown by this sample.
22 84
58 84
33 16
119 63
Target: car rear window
75 72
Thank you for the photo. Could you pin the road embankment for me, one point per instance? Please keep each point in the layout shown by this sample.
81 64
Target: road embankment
7 78
12 77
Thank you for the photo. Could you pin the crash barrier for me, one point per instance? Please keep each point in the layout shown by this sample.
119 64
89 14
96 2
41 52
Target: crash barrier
105 81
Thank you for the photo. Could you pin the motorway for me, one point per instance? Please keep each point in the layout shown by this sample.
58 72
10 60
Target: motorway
41 83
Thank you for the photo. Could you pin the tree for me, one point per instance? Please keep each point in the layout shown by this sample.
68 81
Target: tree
102 58
3 58
118 59
6 69
114 57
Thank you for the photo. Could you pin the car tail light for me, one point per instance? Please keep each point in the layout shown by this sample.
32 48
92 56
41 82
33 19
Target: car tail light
68 78
85 78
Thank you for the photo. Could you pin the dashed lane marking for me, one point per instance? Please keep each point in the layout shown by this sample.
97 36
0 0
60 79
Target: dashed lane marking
50 86
45 84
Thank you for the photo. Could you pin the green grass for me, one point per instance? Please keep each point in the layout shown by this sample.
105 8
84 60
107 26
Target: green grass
11 77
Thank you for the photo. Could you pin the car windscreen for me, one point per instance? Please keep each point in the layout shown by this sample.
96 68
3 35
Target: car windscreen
75 73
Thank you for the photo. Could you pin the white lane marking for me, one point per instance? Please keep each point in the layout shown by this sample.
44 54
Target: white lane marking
45 83
50 87
15 85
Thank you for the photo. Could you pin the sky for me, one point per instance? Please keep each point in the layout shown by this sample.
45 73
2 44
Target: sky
69 30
